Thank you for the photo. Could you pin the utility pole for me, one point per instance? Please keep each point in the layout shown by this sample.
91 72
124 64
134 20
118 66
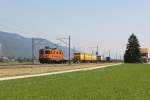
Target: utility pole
69 44
69 51
97 50
93 51
33 49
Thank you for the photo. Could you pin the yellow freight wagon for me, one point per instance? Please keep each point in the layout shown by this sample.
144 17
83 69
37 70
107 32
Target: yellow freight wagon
94 57
87 57
84 57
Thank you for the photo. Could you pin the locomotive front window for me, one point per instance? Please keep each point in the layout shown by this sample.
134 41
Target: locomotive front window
47 52
41 52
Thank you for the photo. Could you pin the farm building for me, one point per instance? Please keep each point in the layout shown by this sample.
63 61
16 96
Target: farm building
144 54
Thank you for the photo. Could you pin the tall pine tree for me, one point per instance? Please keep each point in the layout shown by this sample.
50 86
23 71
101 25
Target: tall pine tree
132 53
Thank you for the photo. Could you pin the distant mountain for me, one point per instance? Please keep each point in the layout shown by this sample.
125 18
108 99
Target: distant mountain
14 45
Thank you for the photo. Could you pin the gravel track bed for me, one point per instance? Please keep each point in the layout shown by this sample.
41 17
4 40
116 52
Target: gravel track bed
6 71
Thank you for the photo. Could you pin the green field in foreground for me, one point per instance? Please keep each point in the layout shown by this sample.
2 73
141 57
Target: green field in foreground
123 82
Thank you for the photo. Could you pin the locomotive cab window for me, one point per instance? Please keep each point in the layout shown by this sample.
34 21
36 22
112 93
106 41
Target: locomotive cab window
41 52
47 52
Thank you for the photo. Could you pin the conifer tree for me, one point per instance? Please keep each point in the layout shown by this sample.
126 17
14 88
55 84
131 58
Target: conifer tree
132 53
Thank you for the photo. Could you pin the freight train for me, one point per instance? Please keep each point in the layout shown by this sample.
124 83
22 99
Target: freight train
55 55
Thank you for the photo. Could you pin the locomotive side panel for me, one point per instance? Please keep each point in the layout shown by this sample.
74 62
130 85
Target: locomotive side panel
51 56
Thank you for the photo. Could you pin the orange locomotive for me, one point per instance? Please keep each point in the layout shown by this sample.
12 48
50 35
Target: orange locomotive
52 55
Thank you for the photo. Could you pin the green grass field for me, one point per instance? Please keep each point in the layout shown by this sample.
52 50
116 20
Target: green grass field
123 82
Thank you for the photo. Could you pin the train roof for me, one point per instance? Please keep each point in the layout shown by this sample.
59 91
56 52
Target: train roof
51 49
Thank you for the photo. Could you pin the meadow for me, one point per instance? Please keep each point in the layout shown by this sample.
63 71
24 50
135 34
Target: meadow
122 82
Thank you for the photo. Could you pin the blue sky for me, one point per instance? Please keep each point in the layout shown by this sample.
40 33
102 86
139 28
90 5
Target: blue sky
89 22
